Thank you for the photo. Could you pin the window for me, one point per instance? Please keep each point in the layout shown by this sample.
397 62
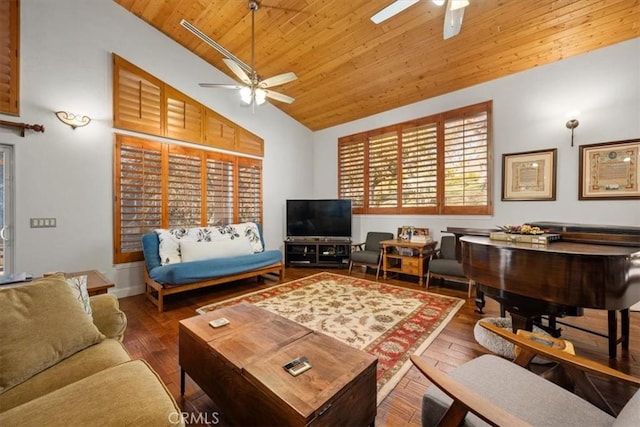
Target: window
159 185
439 164
9 70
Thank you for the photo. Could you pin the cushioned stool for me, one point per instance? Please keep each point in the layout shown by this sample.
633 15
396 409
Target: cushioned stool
494 343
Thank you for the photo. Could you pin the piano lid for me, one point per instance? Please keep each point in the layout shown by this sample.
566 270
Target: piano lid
592 233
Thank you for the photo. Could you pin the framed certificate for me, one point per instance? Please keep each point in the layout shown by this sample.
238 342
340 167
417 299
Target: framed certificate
609 170
529 175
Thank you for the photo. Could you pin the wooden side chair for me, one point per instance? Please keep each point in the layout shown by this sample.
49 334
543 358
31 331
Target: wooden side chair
444 265
369 252
493 390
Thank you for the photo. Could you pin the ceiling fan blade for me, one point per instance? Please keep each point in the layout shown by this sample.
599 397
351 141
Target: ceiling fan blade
279 96
391 10
220 85
237 70
453 18
278 80
208 40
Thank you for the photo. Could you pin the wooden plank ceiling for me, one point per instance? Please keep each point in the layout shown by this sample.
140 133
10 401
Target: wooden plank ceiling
349 68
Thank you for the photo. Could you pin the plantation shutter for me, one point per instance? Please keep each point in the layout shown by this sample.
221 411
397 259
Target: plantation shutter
9 70
220 189
249 190
419 166
383 170
138 187
351 172
219 132
159 185
440 164
466 160
185 117
138 99
184 188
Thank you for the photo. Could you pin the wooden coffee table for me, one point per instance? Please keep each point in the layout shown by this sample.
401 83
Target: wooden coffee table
239 366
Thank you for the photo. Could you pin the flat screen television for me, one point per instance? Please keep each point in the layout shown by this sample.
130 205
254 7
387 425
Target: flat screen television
319 218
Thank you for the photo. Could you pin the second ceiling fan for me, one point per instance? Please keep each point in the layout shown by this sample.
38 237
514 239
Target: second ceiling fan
452 18
255 89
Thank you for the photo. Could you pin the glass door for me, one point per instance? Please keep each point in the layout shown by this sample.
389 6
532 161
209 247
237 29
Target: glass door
6 209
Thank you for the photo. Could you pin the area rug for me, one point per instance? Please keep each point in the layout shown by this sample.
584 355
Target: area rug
389 322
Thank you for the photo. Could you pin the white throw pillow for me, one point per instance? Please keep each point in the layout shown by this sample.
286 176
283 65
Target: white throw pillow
197 251
170 239
249 231
78 285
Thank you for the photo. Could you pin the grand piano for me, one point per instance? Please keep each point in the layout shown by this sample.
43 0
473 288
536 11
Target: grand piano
590 266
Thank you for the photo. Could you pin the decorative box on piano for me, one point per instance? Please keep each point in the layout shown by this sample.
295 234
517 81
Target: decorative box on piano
537 239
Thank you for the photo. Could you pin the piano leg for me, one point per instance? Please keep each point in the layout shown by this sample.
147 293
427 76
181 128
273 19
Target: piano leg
613 333
480 301
624 325
519 321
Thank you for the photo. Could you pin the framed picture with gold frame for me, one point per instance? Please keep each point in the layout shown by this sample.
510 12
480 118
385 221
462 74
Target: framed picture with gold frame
609 170
530 175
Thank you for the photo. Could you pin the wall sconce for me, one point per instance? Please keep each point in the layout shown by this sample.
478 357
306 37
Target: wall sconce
572 123
73 120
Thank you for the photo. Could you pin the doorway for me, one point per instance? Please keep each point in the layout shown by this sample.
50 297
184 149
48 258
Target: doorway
6 209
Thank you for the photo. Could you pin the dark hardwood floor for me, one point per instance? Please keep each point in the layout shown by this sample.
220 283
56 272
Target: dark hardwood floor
153 336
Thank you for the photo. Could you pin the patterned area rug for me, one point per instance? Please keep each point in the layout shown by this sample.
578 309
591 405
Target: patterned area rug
386 321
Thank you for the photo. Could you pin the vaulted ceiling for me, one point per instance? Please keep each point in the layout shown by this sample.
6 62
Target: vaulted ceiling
349 68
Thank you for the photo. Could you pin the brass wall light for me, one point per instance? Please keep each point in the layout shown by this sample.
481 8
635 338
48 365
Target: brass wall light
73 120
572 123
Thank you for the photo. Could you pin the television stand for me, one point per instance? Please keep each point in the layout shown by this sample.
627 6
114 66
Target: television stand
317 252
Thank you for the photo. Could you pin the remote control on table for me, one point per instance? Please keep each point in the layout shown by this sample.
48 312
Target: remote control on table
297 366
216 323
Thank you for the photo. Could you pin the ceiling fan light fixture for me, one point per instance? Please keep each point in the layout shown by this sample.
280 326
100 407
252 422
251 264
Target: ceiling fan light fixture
245 95
261 96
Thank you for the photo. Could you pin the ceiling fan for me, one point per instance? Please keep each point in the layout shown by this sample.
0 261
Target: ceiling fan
254 91
452 18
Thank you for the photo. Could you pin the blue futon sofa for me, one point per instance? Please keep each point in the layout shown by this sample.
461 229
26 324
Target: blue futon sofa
171 278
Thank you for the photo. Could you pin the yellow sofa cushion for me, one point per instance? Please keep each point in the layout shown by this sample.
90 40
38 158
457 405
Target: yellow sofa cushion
42 323
129 394
84 363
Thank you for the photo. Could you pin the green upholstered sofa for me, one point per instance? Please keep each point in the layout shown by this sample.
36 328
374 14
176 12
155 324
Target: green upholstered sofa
60 365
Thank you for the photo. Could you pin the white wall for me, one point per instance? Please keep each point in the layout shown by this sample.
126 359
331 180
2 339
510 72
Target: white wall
66 64
529 111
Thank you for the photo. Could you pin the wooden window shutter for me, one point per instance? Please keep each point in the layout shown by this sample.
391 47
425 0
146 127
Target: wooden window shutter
419 166
185 187
138 198
249 190
219 132
466 163
383 170
185 117
220 189
249 143
9 58
138 99
351 171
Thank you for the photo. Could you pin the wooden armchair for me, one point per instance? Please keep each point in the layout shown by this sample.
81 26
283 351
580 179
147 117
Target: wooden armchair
493 390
